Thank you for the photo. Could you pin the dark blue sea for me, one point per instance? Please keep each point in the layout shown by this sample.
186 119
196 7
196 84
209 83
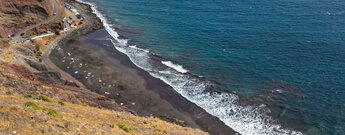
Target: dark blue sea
261 66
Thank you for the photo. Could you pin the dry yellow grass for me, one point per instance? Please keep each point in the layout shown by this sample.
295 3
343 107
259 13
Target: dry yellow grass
45 40
78 119
8 55
19 113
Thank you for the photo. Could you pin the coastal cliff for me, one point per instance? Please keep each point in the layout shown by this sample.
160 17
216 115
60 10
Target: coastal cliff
36 97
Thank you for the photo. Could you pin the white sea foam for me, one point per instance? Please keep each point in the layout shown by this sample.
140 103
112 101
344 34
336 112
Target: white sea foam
135 47
247 120
178 68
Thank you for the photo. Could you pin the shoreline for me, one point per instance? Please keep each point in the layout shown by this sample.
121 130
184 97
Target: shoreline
116 77
183 109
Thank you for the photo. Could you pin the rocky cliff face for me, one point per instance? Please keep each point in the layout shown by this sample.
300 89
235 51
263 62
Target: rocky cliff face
18 14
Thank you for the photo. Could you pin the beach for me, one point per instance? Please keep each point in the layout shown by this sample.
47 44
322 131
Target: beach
93 60
87 57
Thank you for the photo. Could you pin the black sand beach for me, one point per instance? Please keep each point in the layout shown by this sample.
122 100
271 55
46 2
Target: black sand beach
93 60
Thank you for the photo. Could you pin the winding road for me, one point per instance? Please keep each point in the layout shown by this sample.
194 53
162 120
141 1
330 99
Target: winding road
18 38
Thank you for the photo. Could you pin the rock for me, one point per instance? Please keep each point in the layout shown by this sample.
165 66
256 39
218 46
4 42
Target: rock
102 98
70 83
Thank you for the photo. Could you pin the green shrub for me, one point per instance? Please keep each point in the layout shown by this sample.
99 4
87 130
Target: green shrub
39 97
45 98
124 127
61 103
37 47
32 105
57 32
39 56
38 53
51 112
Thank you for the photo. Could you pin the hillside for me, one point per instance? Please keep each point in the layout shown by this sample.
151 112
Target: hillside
20 116
33 103
18 14
25 109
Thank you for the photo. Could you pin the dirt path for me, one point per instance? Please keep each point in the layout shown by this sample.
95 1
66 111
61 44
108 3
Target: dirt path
19 38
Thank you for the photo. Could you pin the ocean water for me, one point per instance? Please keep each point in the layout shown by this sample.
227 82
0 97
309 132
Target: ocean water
262 67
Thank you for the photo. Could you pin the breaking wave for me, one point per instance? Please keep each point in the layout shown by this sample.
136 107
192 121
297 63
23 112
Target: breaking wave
178 68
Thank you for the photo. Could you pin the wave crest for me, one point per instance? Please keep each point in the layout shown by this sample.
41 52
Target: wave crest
178 68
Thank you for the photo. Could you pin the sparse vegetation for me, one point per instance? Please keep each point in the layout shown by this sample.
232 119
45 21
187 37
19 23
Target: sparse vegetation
8 55
51 112
37 47
38 52
70 119
57 32
31 104
124 127
61 103
39 97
